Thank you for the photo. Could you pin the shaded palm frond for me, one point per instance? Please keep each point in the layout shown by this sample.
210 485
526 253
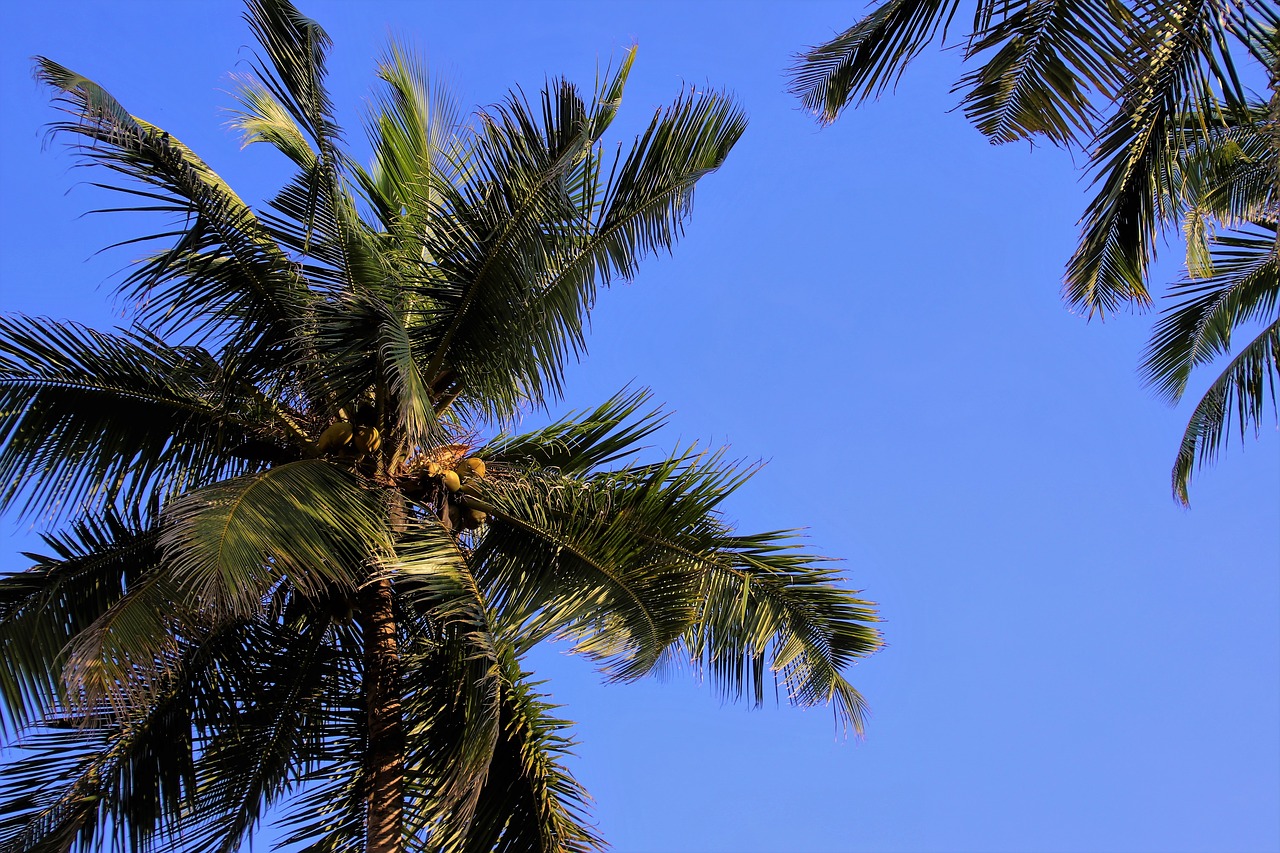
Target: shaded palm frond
1241 389
301 721
530 801
246 711
1047 58
64 442
452 684
867 58
362 337
44 608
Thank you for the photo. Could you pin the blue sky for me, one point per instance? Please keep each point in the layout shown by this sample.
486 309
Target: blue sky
1074 661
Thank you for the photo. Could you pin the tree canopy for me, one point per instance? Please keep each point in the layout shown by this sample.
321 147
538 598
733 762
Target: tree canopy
297 552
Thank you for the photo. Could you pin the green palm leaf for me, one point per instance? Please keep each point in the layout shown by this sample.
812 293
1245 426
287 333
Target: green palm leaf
1242 388
238 274
307 523
868 57
769 609
64 444
1047 57
1137 152
45 607
1243 286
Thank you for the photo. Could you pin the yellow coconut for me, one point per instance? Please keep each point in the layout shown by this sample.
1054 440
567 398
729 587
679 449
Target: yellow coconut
367 439
475 466
452 481
336 436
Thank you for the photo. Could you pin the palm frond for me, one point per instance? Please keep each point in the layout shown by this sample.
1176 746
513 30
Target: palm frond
53 791
588 557
452 682
867 58
1226 178
222 273
64 444
1047 58
263 118
530 801
580 442
420 143
302 723
1243 286
297 49
44 608
1242 388
362 337
769 610
542 223
1137 152
308 523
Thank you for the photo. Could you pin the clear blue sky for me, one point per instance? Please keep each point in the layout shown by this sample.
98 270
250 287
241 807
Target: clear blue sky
1074 661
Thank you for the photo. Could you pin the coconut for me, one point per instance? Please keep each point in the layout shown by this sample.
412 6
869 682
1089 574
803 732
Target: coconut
336 436
475 466
452 481
367 439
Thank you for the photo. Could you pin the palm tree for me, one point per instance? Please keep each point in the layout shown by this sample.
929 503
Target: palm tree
297 558
1153 89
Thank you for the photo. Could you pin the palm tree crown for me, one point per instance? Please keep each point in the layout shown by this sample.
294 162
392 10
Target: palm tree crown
1153 89
300 556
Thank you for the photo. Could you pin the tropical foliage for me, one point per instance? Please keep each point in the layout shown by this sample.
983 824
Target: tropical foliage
1153 90
296 556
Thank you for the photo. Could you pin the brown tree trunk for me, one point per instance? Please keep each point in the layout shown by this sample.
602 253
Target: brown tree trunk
384 757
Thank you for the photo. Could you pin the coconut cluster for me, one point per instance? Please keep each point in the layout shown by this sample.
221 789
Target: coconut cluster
463 480
341 437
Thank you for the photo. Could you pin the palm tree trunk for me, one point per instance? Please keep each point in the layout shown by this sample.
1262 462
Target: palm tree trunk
384 757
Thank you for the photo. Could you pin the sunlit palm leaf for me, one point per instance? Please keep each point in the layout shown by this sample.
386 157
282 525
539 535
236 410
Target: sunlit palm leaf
589 558
1137 152
580 442
420 144
541 224
770 611
255 283
307 523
